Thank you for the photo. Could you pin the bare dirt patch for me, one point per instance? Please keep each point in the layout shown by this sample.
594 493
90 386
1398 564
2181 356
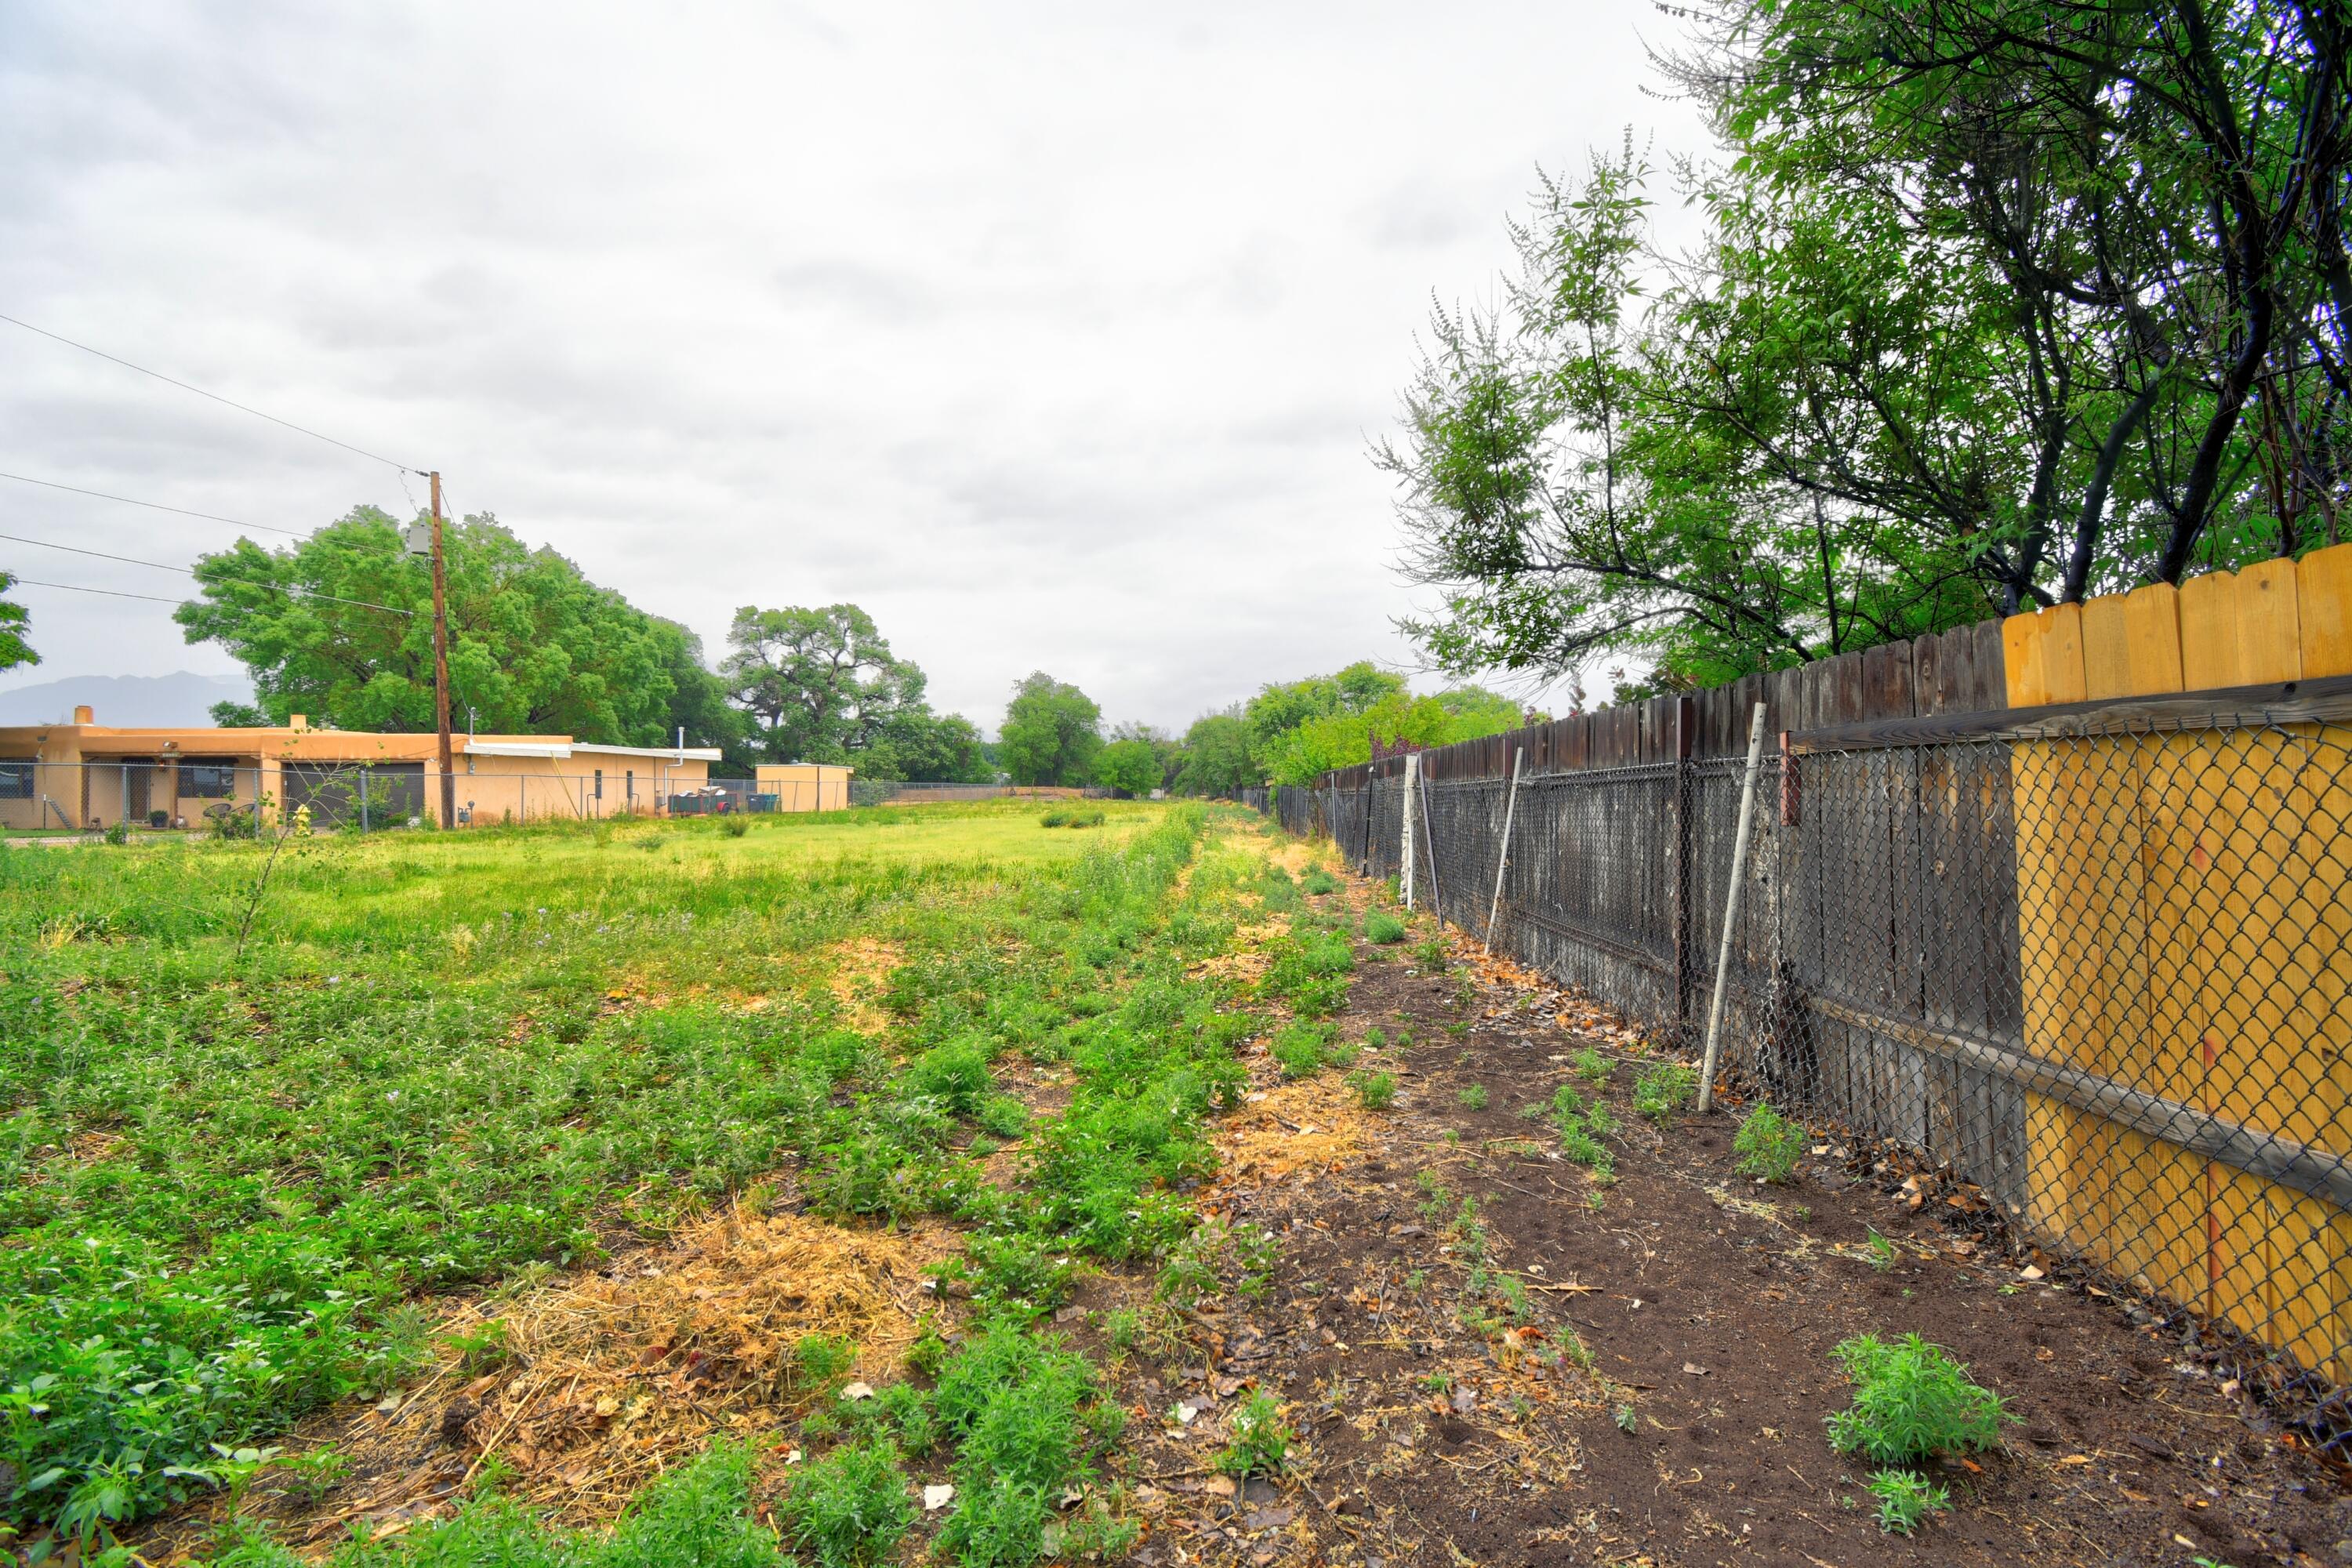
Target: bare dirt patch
1658 1395
861 966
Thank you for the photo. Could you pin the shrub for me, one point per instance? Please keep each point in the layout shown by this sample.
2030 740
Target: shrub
1319 881
954 1074
733 825
1769 1145
1912 1402
849 1507
119 832
1905 1500
1383 929
1591 1067
1663 1089
1261 1442
1057 817
1377 1090
1473 1097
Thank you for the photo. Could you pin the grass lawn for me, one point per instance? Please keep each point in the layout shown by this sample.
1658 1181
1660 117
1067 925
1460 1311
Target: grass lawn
258 1108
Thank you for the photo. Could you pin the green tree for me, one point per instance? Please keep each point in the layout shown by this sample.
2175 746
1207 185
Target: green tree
1129 764
1342 740
821 684
1050 732
930 748
1217 757
14 618
1279 709
234 715
339 628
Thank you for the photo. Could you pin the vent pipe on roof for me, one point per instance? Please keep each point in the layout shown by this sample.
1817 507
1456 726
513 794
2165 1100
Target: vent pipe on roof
83 714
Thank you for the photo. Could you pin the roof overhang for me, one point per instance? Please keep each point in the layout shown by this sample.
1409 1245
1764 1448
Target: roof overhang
560 750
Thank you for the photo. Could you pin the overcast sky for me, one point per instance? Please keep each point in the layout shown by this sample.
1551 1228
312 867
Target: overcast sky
1054 335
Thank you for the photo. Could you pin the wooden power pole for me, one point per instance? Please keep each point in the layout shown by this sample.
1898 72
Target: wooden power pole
441 662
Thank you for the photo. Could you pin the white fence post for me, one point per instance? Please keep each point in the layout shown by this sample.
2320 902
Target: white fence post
1731 911
1411 812
1502 854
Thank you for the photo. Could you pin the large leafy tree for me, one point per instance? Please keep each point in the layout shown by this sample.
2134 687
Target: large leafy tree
13 649
1280 708
1051 733
2000 304
1131 763
339 628
925 747
1217 759
1339 740
821 683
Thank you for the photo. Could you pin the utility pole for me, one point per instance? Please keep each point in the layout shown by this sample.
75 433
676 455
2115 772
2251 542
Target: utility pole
441 662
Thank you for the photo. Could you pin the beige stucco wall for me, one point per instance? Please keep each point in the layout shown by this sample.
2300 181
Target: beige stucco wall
805 786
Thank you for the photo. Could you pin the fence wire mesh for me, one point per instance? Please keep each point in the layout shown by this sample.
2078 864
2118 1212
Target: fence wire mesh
2105 978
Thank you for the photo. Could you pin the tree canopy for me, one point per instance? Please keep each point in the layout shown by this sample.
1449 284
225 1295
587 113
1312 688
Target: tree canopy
339 628
1130 764
1998 305
1051 733
1217 757
821 684
13 649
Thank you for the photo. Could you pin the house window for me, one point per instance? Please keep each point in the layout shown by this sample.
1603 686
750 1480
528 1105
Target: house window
600 783
207 781
15 781
629 787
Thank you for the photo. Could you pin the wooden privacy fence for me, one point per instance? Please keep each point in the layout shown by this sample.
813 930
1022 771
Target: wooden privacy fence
2063 902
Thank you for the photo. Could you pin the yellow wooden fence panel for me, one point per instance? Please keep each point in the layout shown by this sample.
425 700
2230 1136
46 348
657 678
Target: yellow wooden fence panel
2185 928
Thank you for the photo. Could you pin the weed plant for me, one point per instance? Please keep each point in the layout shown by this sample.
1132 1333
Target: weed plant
1319 882
1261 1443
850 1506
1374 1090
1664 1088
1769 1145
1383 929
1905 1499
1912 1402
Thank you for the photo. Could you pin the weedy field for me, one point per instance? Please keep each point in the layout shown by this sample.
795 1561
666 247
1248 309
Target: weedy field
985 1185
280 1114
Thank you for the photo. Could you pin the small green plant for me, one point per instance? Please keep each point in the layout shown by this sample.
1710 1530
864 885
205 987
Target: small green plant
1260 1441
1769 1145
1474 1098
1300 1050
482 1350
851 1507
816 1362
1905 1501
1375 1090
1383 929
1431 954
1057 817
1627 1422
1663 1089
1320 881
1912 1402
119 831
1591 1067
734 826
313 1475
1882 1253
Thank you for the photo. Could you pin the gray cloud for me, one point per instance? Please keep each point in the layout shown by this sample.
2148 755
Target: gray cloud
1051 333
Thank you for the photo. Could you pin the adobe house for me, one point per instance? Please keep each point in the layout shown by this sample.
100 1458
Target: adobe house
84 773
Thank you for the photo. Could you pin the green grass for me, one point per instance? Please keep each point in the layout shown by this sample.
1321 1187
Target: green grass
441 1058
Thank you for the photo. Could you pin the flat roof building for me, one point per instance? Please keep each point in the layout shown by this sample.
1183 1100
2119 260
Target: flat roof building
83 774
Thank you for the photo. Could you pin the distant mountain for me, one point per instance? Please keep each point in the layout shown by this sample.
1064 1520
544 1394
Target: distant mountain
128 701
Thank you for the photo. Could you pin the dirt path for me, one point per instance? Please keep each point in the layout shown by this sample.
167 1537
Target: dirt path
1688 1428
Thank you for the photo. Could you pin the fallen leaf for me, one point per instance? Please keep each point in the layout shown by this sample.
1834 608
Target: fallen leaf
937 1497
2076 1459
1465 1400
2028 1272
858 1390
1695 1370
793 1458
1218 1486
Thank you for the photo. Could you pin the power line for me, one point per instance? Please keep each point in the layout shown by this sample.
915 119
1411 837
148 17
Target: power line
216 396
190 572
77 588
154 506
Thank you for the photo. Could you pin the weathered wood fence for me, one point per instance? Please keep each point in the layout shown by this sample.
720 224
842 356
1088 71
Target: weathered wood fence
2063 902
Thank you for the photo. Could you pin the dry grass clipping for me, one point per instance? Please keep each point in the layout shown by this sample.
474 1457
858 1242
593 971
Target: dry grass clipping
860 966
1313 1125
613 1379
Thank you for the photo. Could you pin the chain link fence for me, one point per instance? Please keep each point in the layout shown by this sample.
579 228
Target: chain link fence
2100 971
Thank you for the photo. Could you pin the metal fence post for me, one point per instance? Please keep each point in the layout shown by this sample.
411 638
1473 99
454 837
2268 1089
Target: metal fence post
364 824
1731 911
1503 854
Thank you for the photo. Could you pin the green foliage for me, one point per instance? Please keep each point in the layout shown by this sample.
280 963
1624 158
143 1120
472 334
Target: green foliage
537 648
1769 1145
1217 758
1050 734
118 832
1383 929
1664 1088
1319 882
1905 1499
424 1030
821 685
1260 1443
14 618
1375 1090
1591 1067
1301 1049
1341 739
1911 1403
1310 969
1581 1129
1129 764
1473 1097
850 1506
